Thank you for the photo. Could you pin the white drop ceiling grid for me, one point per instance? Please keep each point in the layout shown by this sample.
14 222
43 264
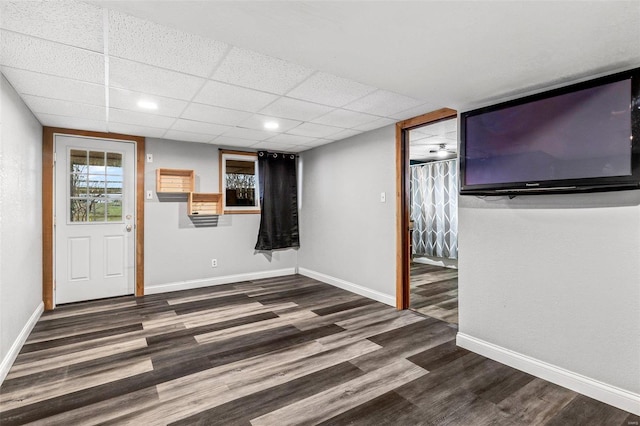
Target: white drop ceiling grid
423 141
53 53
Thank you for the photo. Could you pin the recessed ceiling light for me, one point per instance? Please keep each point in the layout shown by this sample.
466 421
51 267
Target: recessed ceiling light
147 104
271 125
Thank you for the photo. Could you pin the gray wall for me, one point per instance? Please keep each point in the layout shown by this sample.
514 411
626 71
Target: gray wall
20 215
345 231
176 250
556 278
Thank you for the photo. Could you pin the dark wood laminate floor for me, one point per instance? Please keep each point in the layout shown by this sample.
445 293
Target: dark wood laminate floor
434 291
282 351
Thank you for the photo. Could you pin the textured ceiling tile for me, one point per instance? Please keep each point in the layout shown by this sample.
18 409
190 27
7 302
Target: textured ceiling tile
213 114
344 118
72 23
274 146
328 89
128 100
414 112
139 118
152 80
200 127
258 121
301 148
384 103
235 142
23 52
38 104
48 86
343 134
295 109
178 135
376 124
71 122
249 134
144 41
318 142
257 71
135 130
228 96
291 139
315 130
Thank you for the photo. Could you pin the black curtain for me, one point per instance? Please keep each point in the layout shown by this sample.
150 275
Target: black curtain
279 201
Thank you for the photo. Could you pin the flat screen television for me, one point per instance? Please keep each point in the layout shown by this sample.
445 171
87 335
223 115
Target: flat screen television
582 137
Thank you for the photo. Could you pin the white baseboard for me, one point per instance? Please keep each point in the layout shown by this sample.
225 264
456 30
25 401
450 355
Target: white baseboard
346 285
206 282
11 356
608 394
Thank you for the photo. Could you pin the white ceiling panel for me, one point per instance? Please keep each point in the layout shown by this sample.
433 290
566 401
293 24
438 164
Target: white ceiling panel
295 109
34 54
136 130
291 139
301 148
376 124
261 72
179 135
328 89
128 100
200 127
414 112
234 142
213 114
258 121
72 23
48 86
139 118
75 123
384 103
318 142
234 97
315 130
344 118
143 41
274 146
249 134
71 109
144 78
343 134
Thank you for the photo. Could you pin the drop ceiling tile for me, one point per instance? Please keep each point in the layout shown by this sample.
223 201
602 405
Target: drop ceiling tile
72 23
178 135
33 54
200 127
52 120
254 70
318 142
249 134
134 130
139 118
343 134
301 148
257 122
328 89
295 109
291 139
151 80
383 103
234 97
235 142
414 111
39 104
165 47
315 130
344 118
48 86
376 124
275 146
213 114
128 100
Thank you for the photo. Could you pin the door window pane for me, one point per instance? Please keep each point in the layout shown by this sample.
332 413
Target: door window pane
114 210
78 161
78 210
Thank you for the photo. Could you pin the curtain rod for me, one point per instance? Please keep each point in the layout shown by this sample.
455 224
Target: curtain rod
256 152
431 162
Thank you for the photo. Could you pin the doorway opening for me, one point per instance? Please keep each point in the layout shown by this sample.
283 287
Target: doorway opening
427 221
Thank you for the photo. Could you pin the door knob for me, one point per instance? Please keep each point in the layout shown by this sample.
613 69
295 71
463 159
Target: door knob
128 228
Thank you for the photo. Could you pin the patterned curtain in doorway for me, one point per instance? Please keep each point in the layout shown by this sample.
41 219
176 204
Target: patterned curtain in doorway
434 209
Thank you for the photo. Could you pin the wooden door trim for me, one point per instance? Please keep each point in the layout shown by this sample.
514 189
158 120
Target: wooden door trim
48 134
402 198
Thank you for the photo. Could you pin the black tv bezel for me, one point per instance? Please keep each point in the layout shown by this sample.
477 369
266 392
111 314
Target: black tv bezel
613 183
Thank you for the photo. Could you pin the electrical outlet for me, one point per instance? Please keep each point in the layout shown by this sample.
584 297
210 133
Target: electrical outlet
149 158
383 197
149 195
214 263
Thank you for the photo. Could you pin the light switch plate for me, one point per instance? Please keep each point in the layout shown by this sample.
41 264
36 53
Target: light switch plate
149 195
383 197
149 158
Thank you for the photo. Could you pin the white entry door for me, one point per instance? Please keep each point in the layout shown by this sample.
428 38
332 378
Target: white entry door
94 218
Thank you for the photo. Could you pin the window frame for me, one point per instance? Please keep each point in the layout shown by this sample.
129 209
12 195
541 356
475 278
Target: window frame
240 156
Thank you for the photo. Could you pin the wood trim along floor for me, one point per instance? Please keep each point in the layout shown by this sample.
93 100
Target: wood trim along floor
48 134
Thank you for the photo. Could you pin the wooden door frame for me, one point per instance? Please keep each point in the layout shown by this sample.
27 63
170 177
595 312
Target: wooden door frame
48 137
402 198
